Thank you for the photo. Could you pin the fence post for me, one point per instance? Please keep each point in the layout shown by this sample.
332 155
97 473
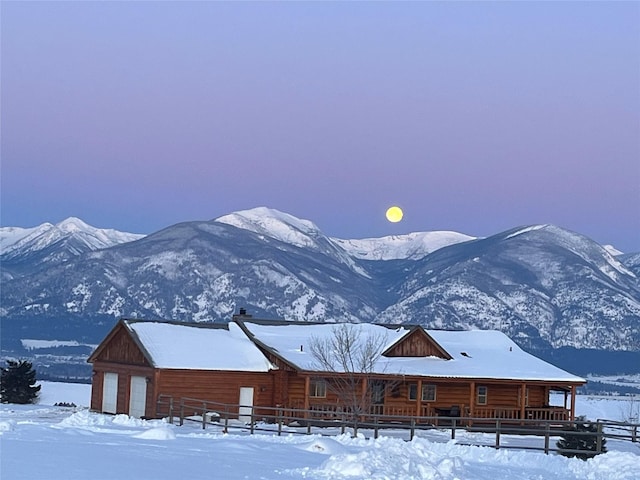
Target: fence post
453 429
204 415
634 433
375 427
599 440
181 412
497 434
252 426
413 428
547 434
279 422
171 410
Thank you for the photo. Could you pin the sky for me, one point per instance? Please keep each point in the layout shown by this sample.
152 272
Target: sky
473 117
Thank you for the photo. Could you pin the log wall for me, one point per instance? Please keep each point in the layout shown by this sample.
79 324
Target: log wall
216 386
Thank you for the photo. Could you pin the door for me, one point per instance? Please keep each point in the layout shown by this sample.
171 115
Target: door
138 397
110 392
246 402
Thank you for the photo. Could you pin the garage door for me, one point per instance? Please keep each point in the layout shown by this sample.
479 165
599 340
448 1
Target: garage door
138 397
110 392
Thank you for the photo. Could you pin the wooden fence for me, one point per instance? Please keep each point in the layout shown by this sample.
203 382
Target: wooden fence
255 418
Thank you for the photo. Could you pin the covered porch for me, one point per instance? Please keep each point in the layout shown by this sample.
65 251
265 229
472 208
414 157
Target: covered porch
434 400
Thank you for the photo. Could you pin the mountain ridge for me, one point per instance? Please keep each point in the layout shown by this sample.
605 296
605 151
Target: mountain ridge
545 286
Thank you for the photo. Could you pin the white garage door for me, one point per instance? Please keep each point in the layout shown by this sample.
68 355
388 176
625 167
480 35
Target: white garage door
138 397
110 392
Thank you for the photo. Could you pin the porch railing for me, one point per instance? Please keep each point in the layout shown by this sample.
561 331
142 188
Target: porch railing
515 413
167 407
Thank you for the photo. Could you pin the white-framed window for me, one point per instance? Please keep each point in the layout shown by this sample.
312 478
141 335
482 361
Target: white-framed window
318 389
428 393
481 395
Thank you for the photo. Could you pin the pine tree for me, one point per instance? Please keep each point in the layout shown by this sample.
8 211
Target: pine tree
582 436
17 384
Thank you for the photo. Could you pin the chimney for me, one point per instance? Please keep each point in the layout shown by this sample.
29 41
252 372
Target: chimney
242 314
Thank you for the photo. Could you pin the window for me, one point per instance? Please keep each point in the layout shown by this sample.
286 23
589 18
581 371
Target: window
428 393
413 391
481 396
318 388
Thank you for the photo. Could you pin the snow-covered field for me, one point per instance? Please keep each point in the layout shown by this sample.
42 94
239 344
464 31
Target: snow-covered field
43 442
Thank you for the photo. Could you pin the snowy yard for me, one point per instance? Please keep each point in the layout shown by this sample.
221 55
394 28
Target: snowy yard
56 443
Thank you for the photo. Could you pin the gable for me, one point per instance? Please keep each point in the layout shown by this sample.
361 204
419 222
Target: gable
418 343
119 347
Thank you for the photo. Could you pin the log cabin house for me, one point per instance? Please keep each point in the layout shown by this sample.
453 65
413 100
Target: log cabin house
267 363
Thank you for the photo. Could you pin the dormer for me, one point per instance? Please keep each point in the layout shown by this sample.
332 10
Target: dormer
417 343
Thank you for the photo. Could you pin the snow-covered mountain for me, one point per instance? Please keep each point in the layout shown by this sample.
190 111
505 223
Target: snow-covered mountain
631 261
275 224
544 286
48 243
412 246
271 223
540 284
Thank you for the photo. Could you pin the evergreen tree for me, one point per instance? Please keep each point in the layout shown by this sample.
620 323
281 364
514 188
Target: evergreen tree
17 384
582 436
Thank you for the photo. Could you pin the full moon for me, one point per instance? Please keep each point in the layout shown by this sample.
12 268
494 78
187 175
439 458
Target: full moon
394 214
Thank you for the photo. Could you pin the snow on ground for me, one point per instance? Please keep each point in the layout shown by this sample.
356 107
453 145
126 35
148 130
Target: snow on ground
46 442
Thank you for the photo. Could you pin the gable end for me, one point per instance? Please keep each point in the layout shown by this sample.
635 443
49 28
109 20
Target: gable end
417 343
120 347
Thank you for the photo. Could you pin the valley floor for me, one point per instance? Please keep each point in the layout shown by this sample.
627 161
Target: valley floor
55 443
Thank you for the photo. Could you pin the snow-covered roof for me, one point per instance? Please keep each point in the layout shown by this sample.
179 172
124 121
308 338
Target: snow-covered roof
476 354
194 347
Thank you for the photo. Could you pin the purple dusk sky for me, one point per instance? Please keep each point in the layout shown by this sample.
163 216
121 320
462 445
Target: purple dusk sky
474 117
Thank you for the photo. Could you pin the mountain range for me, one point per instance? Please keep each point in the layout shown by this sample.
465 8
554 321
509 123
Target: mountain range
548 288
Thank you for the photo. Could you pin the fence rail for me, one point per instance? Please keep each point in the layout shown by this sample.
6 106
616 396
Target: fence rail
621 430
250 417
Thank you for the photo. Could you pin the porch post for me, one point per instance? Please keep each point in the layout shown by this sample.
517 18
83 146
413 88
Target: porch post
419 398
572 415
472 399
523 396
366 402
307 382
565 399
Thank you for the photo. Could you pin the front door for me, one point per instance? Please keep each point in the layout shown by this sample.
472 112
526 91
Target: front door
110 392
246 404
138 397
